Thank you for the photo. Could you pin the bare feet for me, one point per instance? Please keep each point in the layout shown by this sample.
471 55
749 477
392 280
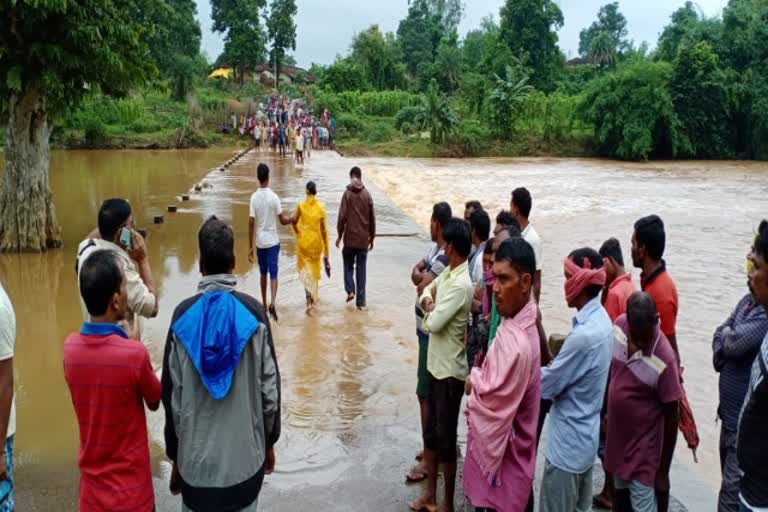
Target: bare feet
417 474
350 297
424 503
602 501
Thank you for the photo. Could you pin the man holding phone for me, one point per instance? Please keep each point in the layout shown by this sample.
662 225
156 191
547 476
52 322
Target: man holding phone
116 233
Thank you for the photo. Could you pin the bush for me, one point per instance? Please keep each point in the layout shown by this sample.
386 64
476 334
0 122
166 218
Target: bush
378 132
472 136
145 126
349 125
95 132
632 113
407 116
371 103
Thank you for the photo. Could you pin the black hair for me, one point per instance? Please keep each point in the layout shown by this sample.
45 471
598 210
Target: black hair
649 233
761 242
611 248
595 260
456 234
488 247
356 173
641 309
113 215
513 230
480 223
217 247
474 204
505 218
100 279
441 213
262 172
521 198
312 188
518 253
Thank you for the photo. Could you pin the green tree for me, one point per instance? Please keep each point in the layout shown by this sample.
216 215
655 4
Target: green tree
449 65
700 96
435 114
611 21
420 32
507 96
602 51
244 42
379 57
632 112
281 29
687 27
478 42
343 75
473 92
529 28
173 39
53 54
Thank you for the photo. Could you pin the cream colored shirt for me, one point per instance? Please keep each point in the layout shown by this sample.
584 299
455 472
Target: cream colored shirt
447 323
7 346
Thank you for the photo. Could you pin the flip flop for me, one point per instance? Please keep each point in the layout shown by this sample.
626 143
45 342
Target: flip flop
350 297
415 476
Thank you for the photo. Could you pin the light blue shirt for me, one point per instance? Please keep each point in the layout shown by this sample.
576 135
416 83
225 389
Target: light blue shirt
575 382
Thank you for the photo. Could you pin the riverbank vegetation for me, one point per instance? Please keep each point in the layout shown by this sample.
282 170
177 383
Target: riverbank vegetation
506 87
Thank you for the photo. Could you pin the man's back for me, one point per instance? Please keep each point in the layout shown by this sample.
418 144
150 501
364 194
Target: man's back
663 291
265 208
357 219
109 377
218 438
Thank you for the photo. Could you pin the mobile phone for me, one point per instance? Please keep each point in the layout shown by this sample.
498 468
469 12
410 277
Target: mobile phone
125 237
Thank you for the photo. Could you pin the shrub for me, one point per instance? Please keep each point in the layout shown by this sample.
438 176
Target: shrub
408 116
95 132
349 125
378 132
472 137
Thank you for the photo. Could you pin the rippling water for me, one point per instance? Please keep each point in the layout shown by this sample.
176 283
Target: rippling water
349 416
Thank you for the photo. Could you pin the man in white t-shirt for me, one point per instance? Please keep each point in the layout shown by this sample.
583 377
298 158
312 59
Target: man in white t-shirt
521 208
7 402
265 211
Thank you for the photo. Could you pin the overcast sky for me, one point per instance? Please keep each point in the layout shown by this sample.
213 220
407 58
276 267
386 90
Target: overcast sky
325 27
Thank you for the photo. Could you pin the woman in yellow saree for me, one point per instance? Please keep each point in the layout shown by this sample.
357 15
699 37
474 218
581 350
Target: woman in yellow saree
311 243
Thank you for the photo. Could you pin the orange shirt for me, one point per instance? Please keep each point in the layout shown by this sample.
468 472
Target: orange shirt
662 290
616 296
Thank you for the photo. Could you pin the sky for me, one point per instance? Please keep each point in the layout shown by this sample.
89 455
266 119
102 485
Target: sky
325 27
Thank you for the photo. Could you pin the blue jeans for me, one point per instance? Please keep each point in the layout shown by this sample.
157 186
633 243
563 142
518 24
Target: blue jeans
354 270
6 486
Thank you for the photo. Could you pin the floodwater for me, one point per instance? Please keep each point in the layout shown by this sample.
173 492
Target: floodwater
350 422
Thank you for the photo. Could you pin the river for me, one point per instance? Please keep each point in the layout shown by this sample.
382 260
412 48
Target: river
349 416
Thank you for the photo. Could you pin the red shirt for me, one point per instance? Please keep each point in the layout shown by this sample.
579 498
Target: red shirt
663 291
110 377
616 296
638 387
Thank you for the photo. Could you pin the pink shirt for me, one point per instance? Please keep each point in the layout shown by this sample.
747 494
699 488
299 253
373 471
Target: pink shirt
512 486
616 296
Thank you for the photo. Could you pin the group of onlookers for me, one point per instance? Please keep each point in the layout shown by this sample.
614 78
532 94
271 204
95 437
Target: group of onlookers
613 389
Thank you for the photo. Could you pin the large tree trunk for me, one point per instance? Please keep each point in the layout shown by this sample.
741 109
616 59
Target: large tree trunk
27 216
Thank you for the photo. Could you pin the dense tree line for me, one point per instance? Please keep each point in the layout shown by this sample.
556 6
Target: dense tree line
701 93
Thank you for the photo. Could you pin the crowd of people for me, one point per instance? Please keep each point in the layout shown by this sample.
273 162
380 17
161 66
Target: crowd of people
613 390
284 127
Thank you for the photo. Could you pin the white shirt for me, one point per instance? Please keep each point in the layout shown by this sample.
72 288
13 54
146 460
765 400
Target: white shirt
299 143
532 237
265 208
7 342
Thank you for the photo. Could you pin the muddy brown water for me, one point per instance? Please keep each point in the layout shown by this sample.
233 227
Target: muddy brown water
349 417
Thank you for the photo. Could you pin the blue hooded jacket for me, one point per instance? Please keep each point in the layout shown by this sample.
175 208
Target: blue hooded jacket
214 332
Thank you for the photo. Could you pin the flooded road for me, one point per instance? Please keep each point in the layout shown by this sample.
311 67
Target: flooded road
350 422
